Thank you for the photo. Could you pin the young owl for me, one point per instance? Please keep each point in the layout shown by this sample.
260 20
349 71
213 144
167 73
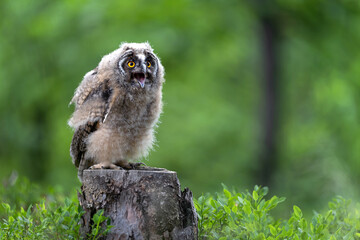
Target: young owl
117 107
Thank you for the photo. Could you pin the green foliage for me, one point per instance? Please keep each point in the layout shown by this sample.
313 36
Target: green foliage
49 217
233 215
97 229
42 222
48 214
21 192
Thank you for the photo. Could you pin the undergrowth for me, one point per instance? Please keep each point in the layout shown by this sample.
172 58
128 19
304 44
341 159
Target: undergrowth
30 212
233 215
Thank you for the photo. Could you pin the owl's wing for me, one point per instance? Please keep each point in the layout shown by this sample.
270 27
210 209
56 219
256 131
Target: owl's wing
88 84
91 100
91 105
78 143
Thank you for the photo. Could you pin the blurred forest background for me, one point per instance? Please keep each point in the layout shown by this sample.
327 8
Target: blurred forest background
256 92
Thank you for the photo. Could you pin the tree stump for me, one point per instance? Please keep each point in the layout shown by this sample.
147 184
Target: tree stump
141 204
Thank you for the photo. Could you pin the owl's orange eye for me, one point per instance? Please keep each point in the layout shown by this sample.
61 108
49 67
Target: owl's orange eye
148 64
131 64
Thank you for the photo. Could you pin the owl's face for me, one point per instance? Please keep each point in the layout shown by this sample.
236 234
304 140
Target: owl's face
139 68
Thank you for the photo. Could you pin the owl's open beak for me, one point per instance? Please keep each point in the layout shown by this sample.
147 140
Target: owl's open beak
140 77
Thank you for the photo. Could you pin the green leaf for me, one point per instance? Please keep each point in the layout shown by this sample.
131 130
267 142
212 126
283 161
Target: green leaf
261 205
255 195
303 223
332 205
241 200
264 191
273 230
6 207
290 232
247 209
312 228
227 210
304 236
227 194
261 236
319 228
297 212
234 209
213 203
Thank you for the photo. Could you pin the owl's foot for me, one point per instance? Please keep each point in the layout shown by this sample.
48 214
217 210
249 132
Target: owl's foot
129 165
105 166
136 165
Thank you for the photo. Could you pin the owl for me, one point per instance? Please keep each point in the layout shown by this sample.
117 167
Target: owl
117 107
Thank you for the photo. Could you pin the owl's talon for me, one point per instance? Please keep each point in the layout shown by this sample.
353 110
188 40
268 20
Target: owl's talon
96 166
136 165
104 166
93 167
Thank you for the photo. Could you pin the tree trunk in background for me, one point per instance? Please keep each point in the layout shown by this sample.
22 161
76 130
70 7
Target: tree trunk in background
140 204
37 160
268 153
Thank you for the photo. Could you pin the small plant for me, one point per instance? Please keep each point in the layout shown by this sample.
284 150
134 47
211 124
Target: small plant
53 217
41 222
233 215
97 230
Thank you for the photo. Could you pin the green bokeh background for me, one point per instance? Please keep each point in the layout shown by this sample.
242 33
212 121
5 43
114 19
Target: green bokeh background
212 126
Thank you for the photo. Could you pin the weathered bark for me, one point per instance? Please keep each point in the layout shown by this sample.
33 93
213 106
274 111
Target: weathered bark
141 204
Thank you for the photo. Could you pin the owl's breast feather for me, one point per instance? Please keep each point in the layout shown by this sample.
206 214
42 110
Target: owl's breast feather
134 115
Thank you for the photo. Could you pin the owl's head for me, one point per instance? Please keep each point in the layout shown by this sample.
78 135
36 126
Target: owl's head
136 64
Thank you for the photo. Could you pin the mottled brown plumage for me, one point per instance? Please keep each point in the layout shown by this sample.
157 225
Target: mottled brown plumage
117 107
